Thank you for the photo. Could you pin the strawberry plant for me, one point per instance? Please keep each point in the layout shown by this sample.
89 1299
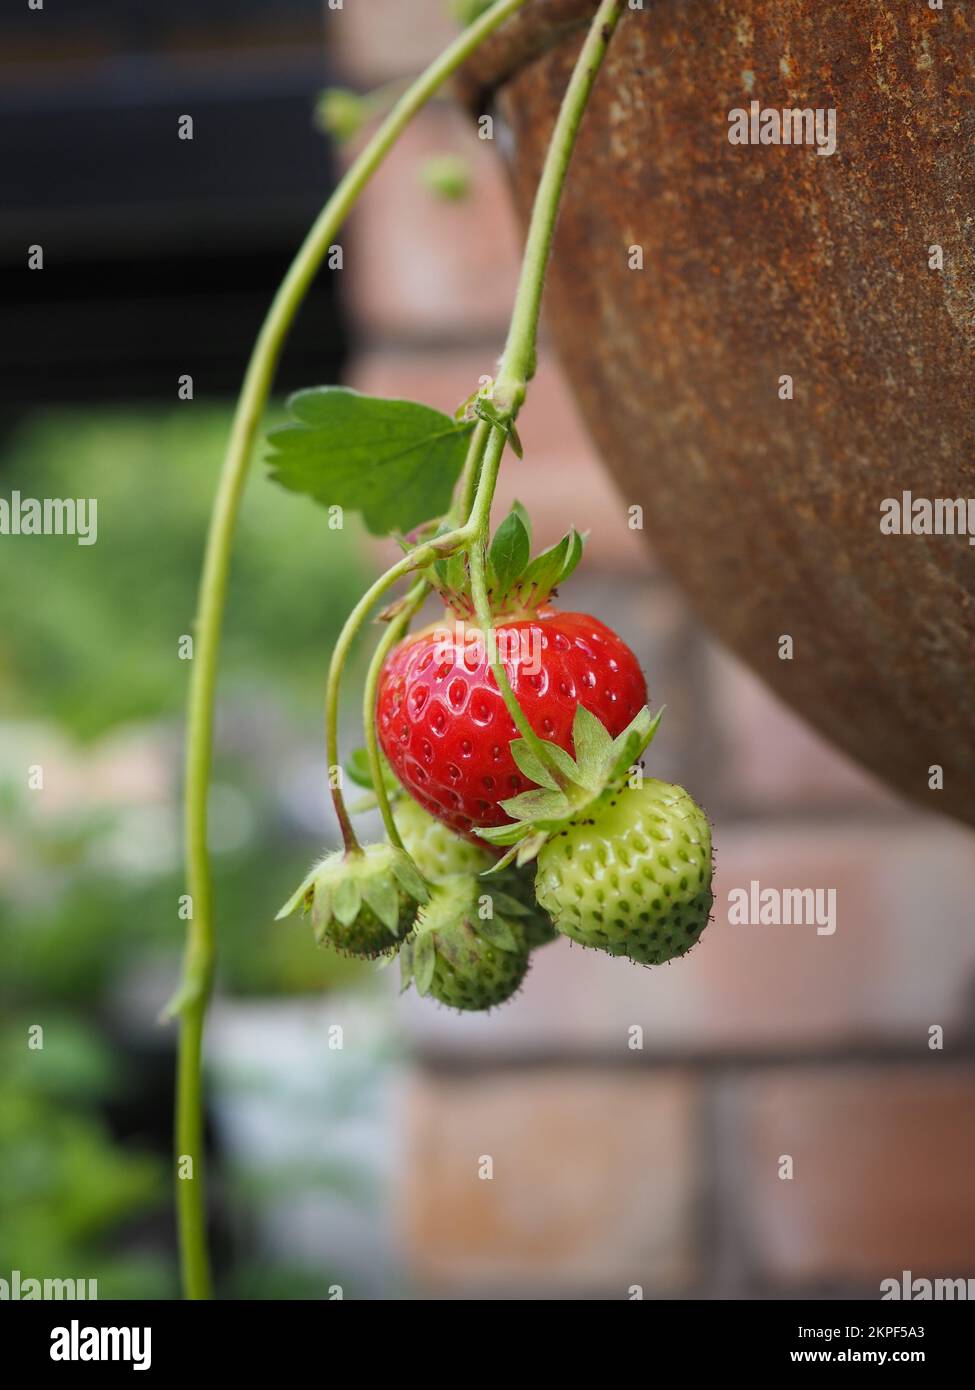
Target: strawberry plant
502 743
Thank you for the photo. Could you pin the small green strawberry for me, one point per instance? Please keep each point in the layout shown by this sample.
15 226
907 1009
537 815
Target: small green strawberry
633 875
434 848
439 853
362 902
519 883
469 950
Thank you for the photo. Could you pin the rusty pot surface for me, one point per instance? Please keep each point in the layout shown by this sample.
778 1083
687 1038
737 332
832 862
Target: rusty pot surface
767 261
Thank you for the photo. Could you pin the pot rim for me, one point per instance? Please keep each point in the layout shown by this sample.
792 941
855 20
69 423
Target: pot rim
523 39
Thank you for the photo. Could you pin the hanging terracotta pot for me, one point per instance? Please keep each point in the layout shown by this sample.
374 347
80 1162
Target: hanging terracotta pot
770 340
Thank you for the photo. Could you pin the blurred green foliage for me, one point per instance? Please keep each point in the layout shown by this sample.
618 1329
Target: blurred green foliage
88 644
67 1188
90 633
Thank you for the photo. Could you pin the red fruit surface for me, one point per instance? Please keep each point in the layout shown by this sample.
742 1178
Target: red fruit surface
445 729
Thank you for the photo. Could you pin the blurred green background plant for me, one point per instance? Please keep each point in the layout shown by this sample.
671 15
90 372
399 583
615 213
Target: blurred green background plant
90 866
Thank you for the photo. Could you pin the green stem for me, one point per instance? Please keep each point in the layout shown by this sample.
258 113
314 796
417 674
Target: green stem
415 559
198 964
518 362
471 473
393 633
480 523
487 443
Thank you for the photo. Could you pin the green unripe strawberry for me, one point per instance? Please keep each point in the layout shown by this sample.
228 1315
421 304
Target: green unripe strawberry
632 876
435 849
519 883
469 950
438 853
362 902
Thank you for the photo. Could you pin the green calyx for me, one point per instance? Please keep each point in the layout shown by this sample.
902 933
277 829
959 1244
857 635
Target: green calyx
567 787
518 583
362 902
439 853
469 950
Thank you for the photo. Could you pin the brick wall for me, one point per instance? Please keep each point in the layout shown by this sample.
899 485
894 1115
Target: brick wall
659 1167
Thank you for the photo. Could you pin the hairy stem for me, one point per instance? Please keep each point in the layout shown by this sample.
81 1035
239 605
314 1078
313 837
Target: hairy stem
472 471
198 964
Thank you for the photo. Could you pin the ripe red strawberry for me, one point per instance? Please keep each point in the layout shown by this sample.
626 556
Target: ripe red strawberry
445 729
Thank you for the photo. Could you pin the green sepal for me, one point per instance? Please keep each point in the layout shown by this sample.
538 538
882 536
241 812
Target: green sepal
511 548
528 762
424 962
346 901
528 849
538 804
409 877
405 965
380 894
517 583
300 897
601 760
496 932
591 740
551 568
500 835
321 914
629 746
507 905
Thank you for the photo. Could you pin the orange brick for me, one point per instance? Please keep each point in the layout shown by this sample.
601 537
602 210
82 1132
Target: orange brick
883 1162
374 41
420 269
594 1182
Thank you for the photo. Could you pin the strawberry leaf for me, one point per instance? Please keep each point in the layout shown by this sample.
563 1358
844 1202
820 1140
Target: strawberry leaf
396 462
358 771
